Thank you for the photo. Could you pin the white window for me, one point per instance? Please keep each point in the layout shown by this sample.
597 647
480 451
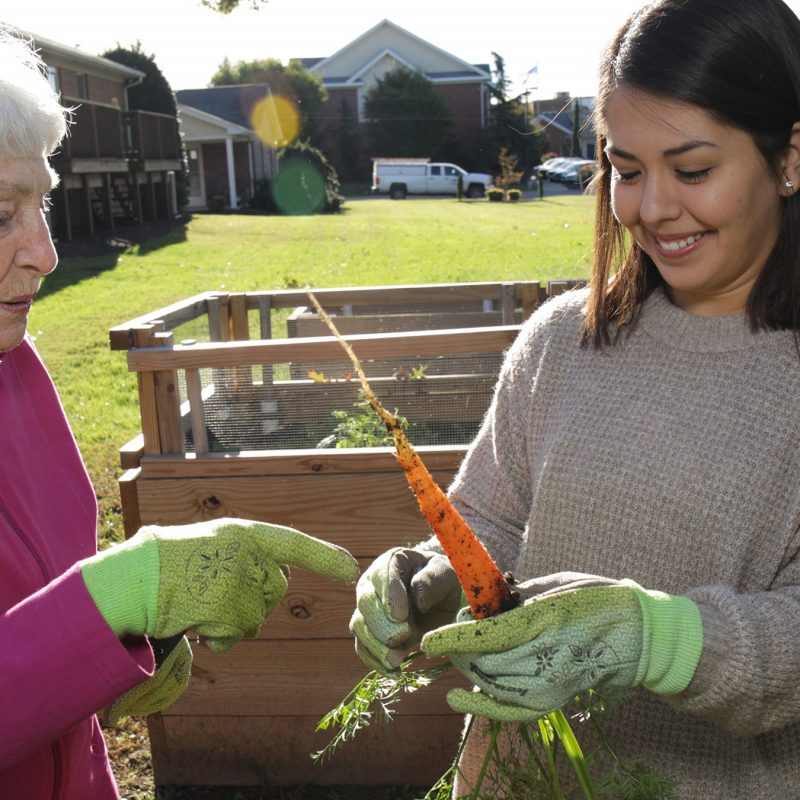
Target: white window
52 79
83 85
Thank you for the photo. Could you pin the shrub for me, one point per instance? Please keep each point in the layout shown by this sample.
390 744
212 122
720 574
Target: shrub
306 182
217 204
514 195
495 195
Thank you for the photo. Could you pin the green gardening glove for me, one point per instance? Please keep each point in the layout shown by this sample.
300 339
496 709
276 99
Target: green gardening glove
593 634
220 578
173 665
403 593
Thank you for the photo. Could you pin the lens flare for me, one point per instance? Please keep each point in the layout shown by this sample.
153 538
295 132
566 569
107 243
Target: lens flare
299 188
275 121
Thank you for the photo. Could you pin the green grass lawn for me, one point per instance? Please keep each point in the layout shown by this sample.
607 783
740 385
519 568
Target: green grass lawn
372 242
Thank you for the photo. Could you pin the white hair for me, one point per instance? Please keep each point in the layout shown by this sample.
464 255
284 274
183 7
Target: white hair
32 120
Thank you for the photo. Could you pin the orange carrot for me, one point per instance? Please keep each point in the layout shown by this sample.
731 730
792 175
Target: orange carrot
487 591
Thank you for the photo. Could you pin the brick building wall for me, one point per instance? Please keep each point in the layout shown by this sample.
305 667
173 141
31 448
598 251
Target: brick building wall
215 169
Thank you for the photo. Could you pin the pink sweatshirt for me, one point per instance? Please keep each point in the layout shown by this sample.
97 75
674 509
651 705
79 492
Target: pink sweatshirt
59 661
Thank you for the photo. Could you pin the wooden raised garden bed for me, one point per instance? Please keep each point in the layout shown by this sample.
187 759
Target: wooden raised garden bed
232 426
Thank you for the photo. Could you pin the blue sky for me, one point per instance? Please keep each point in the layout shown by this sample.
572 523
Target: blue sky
564 38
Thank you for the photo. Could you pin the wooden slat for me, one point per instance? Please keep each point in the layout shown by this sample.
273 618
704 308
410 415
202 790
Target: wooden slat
438 398
401 294
148 406
274 751
239 326
131 452
367 514
216 332
121 336
311 325
530 298
265 331
314 607
378 345
289 678
557 287
129 501
369 460
508 302
196 414
165 383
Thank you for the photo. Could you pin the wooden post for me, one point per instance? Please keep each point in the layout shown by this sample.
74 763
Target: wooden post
240 332
88 192
137 197
196 414
265 330
148 407
129 500
219 331
507 302
168 403
108 207
530 299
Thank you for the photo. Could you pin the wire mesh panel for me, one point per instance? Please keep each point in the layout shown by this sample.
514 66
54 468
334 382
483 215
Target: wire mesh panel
317 405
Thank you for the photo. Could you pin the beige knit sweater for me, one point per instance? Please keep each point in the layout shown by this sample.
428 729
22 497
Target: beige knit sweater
672 458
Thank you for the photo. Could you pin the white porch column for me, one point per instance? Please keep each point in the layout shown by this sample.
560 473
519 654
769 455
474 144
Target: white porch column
231 171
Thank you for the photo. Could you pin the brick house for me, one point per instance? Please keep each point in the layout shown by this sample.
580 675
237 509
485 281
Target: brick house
557 117
117 166
352 70
227 157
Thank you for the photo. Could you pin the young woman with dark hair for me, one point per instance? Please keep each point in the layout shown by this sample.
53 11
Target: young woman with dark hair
647 430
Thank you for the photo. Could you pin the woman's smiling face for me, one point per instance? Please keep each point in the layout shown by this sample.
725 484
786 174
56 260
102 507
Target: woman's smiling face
697 196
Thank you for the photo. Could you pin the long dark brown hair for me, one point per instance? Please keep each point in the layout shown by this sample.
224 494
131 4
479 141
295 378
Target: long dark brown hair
738 60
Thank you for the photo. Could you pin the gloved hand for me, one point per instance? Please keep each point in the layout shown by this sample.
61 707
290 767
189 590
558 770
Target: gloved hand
220 578
586 633
162 690
403 593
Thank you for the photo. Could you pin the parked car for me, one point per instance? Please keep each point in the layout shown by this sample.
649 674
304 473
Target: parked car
575 174
557 173
551 166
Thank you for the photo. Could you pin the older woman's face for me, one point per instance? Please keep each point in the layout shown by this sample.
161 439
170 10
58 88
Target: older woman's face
26 249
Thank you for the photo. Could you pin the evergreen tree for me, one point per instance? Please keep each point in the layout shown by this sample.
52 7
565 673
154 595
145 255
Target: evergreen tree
154 94
407 115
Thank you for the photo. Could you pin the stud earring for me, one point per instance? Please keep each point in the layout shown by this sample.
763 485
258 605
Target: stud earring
789 186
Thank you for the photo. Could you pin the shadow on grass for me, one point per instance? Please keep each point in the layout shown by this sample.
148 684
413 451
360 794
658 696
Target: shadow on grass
88 256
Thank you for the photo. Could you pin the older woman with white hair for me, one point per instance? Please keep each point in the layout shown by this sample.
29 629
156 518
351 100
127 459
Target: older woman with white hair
81 630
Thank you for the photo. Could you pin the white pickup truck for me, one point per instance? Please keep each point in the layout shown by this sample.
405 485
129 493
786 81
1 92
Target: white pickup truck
400 178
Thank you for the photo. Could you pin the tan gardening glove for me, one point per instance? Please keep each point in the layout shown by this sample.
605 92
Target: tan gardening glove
401 595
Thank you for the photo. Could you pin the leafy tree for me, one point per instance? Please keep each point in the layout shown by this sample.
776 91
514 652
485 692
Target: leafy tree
226 6
292 81
407 115
509 126
153 94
